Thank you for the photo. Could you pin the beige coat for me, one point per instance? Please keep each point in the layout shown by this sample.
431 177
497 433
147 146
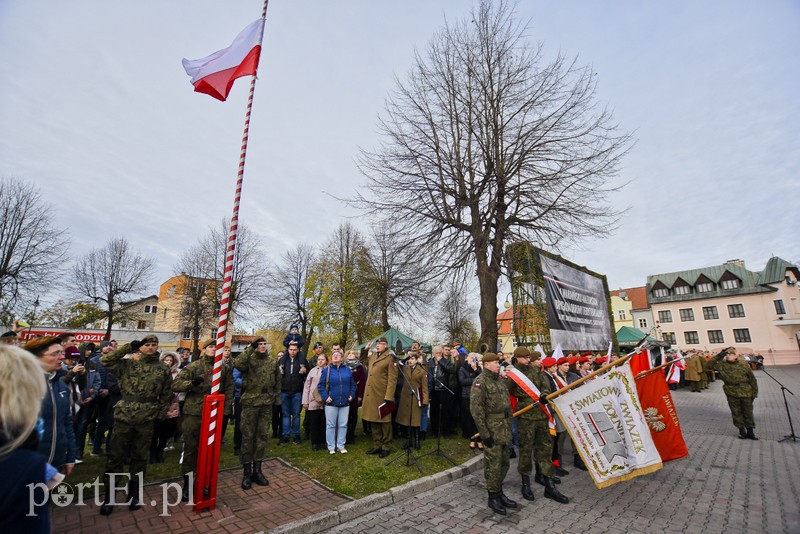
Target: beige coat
381 383
415 379
694 368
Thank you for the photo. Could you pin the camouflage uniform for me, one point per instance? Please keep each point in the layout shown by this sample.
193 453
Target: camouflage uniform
491 410
146 386
261 388
534 432
740 388
193 405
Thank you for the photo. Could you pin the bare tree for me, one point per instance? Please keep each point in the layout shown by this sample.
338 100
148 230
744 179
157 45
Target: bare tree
32 250
71 315
454 317
111 274
487 143
198 305
398 276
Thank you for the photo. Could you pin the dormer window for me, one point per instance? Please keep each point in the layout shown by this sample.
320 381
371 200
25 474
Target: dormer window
730 284
682 290
704 287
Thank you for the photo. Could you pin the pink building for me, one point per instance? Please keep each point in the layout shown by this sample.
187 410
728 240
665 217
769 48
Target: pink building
728 305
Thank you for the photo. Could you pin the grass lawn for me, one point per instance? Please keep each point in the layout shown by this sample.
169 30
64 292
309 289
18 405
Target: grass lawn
355 474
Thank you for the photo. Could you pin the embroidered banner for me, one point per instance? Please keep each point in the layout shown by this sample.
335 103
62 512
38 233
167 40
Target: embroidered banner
609 429
661 416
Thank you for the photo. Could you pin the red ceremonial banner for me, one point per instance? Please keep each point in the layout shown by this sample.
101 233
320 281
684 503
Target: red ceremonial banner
640 362
661 416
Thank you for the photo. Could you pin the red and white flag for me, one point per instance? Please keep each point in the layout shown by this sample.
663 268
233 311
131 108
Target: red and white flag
640 361
214 75
533 392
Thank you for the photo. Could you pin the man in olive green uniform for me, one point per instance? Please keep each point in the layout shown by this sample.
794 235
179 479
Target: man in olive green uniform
261 388
491 410
380 387
740 388
195 380
534 433
146 387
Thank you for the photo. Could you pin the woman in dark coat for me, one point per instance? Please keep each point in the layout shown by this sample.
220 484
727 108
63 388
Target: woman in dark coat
413 398
467 373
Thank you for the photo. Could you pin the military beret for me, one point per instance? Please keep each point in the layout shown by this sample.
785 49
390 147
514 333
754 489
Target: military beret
150 339
583 359
548 362
572 360
490 357
382 339
208 342
520 352
535 355
318 344
562 360
38 345
588 353
601 360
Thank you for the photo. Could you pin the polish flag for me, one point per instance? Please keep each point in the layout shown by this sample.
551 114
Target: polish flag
214 75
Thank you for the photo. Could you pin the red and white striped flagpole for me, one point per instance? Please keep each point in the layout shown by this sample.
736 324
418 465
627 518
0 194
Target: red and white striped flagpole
225 302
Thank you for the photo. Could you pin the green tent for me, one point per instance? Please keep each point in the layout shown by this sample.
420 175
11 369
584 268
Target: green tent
629 336
393 336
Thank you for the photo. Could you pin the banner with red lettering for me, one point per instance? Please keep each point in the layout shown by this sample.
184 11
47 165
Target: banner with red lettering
661 416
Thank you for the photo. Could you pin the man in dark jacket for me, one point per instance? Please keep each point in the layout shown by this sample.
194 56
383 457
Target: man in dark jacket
293 374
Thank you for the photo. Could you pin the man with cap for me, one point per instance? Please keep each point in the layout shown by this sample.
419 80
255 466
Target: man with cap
260 390
379 395
740 388
491 409
534 432
107 398
195 380
146 386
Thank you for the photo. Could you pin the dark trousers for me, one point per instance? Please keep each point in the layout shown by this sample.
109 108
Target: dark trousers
163 431
277 420
352 421
316 426
467 422
237 423
105 423
441 408
81 426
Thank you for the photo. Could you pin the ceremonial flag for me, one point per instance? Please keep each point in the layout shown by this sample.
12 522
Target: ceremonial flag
214 75
533 392
640 361
662 419
558 353
538 348
605 420
608 354
680 362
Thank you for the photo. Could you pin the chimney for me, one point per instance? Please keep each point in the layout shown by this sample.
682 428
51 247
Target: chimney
737 262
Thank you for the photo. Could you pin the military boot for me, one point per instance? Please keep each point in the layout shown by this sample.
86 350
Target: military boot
106 508
247 474
505 501
751 434
187 490
527 494
495 505
578 463
133 495
258 475
551 492
742 433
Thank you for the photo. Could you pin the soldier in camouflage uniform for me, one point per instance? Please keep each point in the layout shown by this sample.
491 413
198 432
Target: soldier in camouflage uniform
146 386
534 432
195 381
261 388
740 388
491 410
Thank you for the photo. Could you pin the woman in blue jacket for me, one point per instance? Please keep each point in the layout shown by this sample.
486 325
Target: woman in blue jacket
337 388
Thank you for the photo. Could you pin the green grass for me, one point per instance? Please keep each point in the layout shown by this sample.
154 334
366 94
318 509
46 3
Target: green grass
355 474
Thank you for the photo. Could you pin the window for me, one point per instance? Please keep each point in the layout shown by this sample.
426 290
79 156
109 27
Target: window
682 290
499 325
665 316
715 336
661 292
171 291
642 323
141 325
704 287
669 337
691 338
622 315
187 333
687 314
780 309
150 309
123 324
741 335
730 284
735 310
710 312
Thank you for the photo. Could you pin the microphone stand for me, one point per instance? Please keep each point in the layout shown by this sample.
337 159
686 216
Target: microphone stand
438 451
784 389
408 448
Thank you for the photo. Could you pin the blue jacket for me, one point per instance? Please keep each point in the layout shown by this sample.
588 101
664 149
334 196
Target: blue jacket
21 469
237 383
57 441
101 369
293 337
338 384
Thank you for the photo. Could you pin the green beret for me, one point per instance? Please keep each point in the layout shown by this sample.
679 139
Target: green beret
490 357
522 352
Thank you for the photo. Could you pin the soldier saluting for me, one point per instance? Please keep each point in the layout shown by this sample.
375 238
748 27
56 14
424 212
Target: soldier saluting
491 410
740 388
146 386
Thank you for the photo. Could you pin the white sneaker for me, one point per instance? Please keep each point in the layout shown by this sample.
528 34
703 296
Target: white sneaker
331 451
78 461
343 451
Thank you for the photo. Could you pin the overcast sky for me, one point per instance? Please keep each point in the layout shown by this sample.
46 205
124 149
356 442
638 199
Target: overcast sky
96 110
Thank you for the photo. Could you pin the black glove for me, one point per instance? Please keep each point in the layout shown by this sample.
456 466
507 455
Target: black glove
543 400
254 344
196 381
135 344
488 442
722 354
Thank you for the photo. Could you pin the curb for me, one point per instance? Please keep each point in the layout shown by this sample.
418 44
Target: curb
353 509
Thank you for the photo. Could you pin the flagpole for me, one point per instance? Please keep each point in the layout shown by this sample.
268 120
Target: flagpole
208 485
654 369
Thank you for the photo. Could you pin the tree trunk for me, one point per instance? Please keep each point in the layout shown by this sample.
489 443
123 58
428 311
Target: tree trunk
110 317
